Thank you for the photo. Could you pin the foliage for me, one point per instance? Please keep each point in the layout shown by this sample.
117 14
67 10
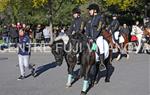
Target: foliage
59 11
3 4
122 4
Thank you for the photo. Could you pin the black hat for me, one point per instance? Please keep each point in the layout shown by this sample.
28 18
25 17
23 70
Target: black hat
147 18
94 7
114 15
76 10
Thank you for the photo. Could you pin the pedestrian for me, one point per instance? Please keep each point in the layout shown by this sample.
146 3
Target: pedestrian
46 34
38 35
5 35
14 35
24 54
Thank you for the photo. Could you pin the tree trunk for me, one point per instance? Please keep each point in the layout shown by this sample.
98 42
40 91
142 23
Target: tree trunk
50 20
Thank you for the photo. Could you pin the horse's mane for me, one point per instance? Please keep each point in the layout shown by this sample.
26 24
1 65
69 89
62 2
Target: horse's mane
139 29
79 36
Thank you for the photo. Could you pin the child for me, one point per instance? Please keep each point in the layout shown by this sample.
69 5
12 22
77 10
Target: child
24 54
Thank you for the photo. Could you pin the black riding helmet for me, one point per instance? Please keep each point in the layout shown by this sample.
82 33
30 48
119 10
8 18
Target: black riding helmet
114 15
76 10
94 7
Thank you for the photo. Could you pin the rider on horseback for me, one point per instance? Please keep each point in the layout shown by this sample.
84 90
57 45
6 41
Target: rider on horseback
114 26
94 28
147 23
76 26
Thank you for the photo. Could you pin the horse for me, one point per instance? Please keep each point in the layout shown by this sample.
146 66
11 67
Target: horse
74 50
89 58
147 34
61 51
147 40
58 51
139 34
108 36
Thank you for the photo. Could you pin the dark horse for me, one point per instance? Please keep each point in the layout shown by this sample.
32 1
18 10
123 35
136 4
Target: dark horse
124 46
68 52
80 44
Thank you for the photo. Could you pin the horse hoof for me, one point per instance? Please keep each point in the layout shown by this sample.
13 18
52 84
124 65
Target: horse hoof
107 80
83 93
118 58
68 85
96 82
128 56
34 74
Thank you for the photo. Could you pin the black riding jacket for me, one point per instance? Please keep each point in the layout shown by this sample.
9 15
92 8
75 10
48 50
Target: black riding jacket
94 26
114 26
76 26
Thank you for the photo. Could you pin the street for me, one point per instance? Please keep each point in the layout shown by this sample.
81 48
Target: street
130 77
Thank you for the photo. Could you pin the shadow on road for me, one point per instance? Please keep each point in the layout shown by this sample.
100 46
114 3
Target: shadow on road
3 58
101 74
44 68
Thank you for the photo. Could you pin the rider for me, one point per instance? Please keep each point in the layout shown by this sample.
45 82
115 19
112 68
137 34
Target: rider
114 26
76 26
147 24
94 28
78 23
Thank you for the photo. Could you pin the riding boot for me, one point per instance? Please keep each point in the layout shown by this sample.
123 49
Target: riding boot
102 65
79 59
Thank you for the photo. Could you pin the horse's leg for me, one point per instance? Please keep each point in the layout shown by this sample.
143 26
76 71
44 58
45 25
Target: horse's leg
96 75
70 72
139 44
80 74
86 80
125 47
118 53
111 54
107 64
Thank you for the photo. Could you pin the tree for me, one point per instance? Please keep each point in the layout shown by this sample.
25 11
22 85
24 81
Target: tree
3 5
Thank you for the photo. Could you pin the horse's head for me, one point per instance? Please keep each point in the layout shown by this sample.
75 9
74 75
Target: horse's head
58 51
134 29
75 42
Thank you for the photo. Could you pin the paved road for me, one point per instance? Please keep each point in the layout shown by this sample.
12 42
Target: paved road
130 77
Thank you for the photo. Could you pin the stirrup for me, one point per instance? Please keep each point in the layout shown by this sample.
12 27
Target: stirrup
102 67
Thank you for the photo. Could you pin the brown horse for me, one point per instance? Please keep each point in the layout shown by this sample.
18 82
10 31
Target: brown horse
147 32
119 47
147 37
